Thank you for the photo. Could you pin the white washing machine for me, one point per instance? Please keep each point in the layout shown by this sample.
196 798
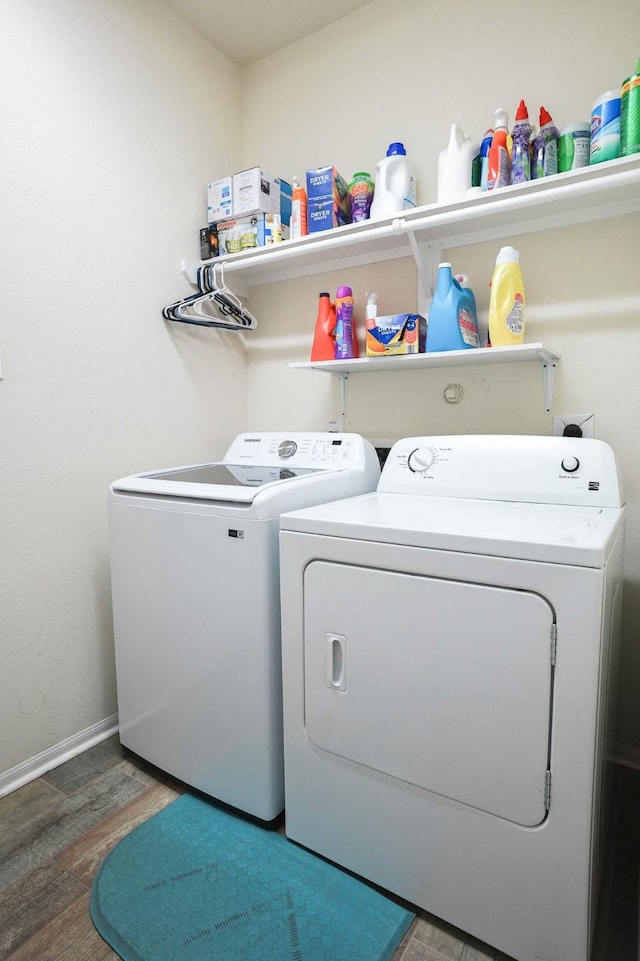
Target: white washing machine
449 644
196 605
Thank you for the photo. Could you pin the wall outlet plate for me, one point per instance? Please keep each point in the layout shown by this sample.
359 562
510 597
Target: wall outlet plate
586 423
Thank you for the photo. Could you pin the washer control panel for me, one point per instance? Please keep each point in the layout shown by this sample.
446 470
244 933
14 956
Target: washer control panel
319 451
532 469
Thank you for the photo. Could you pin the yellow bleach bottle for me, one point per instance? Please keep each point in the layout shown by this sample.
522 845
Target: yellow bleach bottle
506 302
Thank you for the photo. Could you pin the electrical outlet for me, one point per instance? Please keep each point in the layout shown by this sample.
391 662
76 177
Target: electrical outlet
575 425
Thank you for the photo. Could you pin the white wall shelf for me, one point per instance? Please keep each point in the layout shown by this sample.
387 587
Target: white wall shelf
604 191
446 358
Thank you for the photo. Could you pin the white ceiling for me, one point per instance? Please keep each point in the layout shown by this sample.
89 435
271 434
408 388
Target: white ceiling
247 30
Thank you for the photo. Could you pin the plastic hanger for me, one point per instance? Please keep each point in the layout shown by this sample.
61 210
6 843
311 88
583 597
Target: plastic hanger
216 305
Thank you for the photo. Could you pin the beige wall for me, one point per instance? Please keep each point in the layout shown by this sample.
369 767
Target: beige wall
406 70
105 163
103 107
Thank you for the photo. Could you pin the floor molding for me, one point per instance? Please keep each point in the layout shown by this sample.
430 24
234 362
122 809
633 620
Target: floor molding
38 765
627 756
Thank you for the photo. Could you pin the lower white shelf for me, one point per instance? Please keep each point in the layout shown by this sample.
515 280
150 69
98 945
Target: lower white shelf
449 358
444 358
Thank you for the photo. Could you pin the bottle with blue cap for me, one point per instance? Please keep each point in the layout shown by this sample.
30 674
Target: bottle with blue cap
453 324
395 184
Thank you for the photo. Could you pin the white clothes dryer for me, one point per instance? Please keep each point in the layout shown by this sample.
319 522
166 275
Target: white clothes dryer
449 647
196 606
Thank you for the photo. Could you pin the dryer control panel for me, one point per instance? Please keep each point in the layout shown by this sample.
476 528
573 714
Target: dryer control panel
530 469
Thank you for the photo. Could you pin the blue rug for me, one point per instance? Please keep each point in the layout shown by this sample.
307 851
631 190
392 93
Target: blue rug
194 883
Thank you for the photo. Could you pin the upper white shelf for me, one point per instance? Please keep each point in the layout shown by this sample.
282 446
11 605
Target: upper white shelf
603 191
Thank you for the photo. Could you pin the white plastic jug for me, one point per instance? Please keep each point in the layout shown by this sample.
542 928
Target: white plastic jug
395 185
455 164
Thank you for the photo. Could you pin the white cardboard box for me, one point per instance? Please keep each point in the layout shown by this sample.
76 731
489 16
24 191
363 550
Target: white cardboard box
255 191
220 200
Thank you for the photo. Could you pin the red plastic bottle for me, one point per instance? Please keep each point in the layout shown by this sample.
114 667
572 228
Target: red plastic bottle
323 347
499 165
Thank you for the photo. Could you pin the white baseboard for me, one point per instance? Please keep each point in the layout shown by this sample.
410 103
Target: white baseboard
624 754
38 765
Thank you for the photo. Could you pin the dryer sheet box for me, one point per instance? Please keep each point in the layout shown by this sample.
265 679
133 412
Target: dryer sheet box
327 199
397 334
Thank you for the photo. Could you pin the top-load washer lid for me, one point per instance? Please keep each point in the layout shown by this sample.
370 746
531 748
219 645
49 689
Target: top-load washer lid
268 472
551 499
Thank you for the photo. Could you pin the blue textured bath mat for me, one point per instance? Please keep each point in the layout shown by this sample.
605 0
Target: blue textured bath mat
194 883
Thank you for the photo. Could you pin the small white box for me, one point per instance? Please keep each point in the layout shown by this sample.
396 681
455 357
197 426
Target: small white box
254 192
219 200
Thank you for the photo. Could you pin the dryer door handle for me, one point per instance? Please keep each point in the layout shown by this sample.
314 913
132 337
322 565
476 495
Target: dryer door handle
336 664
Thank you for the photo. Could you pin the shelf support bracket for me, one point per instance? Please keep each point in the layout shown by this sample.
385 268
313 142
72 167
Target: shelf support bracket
548 376
426 258
343 379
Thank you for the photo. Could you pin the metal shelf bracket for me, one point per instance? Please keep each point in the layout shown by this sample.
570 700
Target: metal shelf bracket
344 394
548 377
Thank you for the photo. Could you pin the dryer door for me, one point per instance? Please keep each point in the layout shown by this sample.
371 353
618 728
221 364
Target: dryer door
443 684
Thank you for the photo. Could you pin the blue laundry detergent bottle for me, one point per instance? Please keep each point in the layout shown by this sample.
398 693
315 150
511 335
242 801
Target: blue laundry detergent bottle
453 324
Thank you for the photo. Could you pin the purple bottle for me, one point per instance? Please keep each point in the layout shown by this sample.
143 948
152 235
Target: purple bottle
345 339
520 153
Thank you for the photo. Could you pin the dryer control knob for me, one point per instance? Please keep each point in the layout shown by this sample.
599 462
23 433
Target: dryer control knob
570 464
287 448
420 459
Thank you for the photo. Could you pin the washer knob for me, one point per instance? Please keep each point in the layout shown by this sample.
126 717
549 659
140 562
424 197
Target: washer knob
570 464
420 459
287 448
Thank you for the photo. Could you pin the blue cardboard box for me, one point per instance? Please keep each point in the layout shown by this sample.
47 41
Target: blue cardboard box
324 216
285 200
397 334
327 199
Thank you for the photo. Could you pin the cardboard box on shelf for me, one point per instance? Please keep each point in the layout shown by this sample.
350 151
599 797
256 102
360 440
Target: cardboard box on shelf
285 200
397 334
255 191
208 242
220 200
324 216
325 183
327 199
247 233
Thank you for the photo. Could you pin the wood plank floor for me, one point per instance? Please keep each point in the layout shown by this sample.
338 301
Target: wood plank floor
55 831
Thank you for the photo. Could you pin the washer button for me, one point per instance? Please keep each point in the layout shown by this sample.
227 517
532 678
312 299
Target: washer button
570 464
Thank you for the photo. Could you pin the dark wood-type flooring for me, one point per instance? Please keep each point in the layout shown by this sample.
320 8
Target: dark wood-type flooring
55 831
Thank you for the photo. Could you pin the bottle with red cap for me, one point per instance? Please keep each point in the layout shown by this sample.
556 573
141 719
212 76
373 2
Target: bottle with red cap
520 155
498 163
544 162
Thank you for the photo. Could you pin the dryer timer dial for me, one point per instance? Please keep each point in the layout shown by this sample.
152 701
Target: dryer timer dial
420 459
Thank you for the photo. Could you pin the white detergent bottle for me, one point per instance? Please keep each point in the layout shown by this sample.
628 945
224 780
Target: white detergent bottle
455 164
395 184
